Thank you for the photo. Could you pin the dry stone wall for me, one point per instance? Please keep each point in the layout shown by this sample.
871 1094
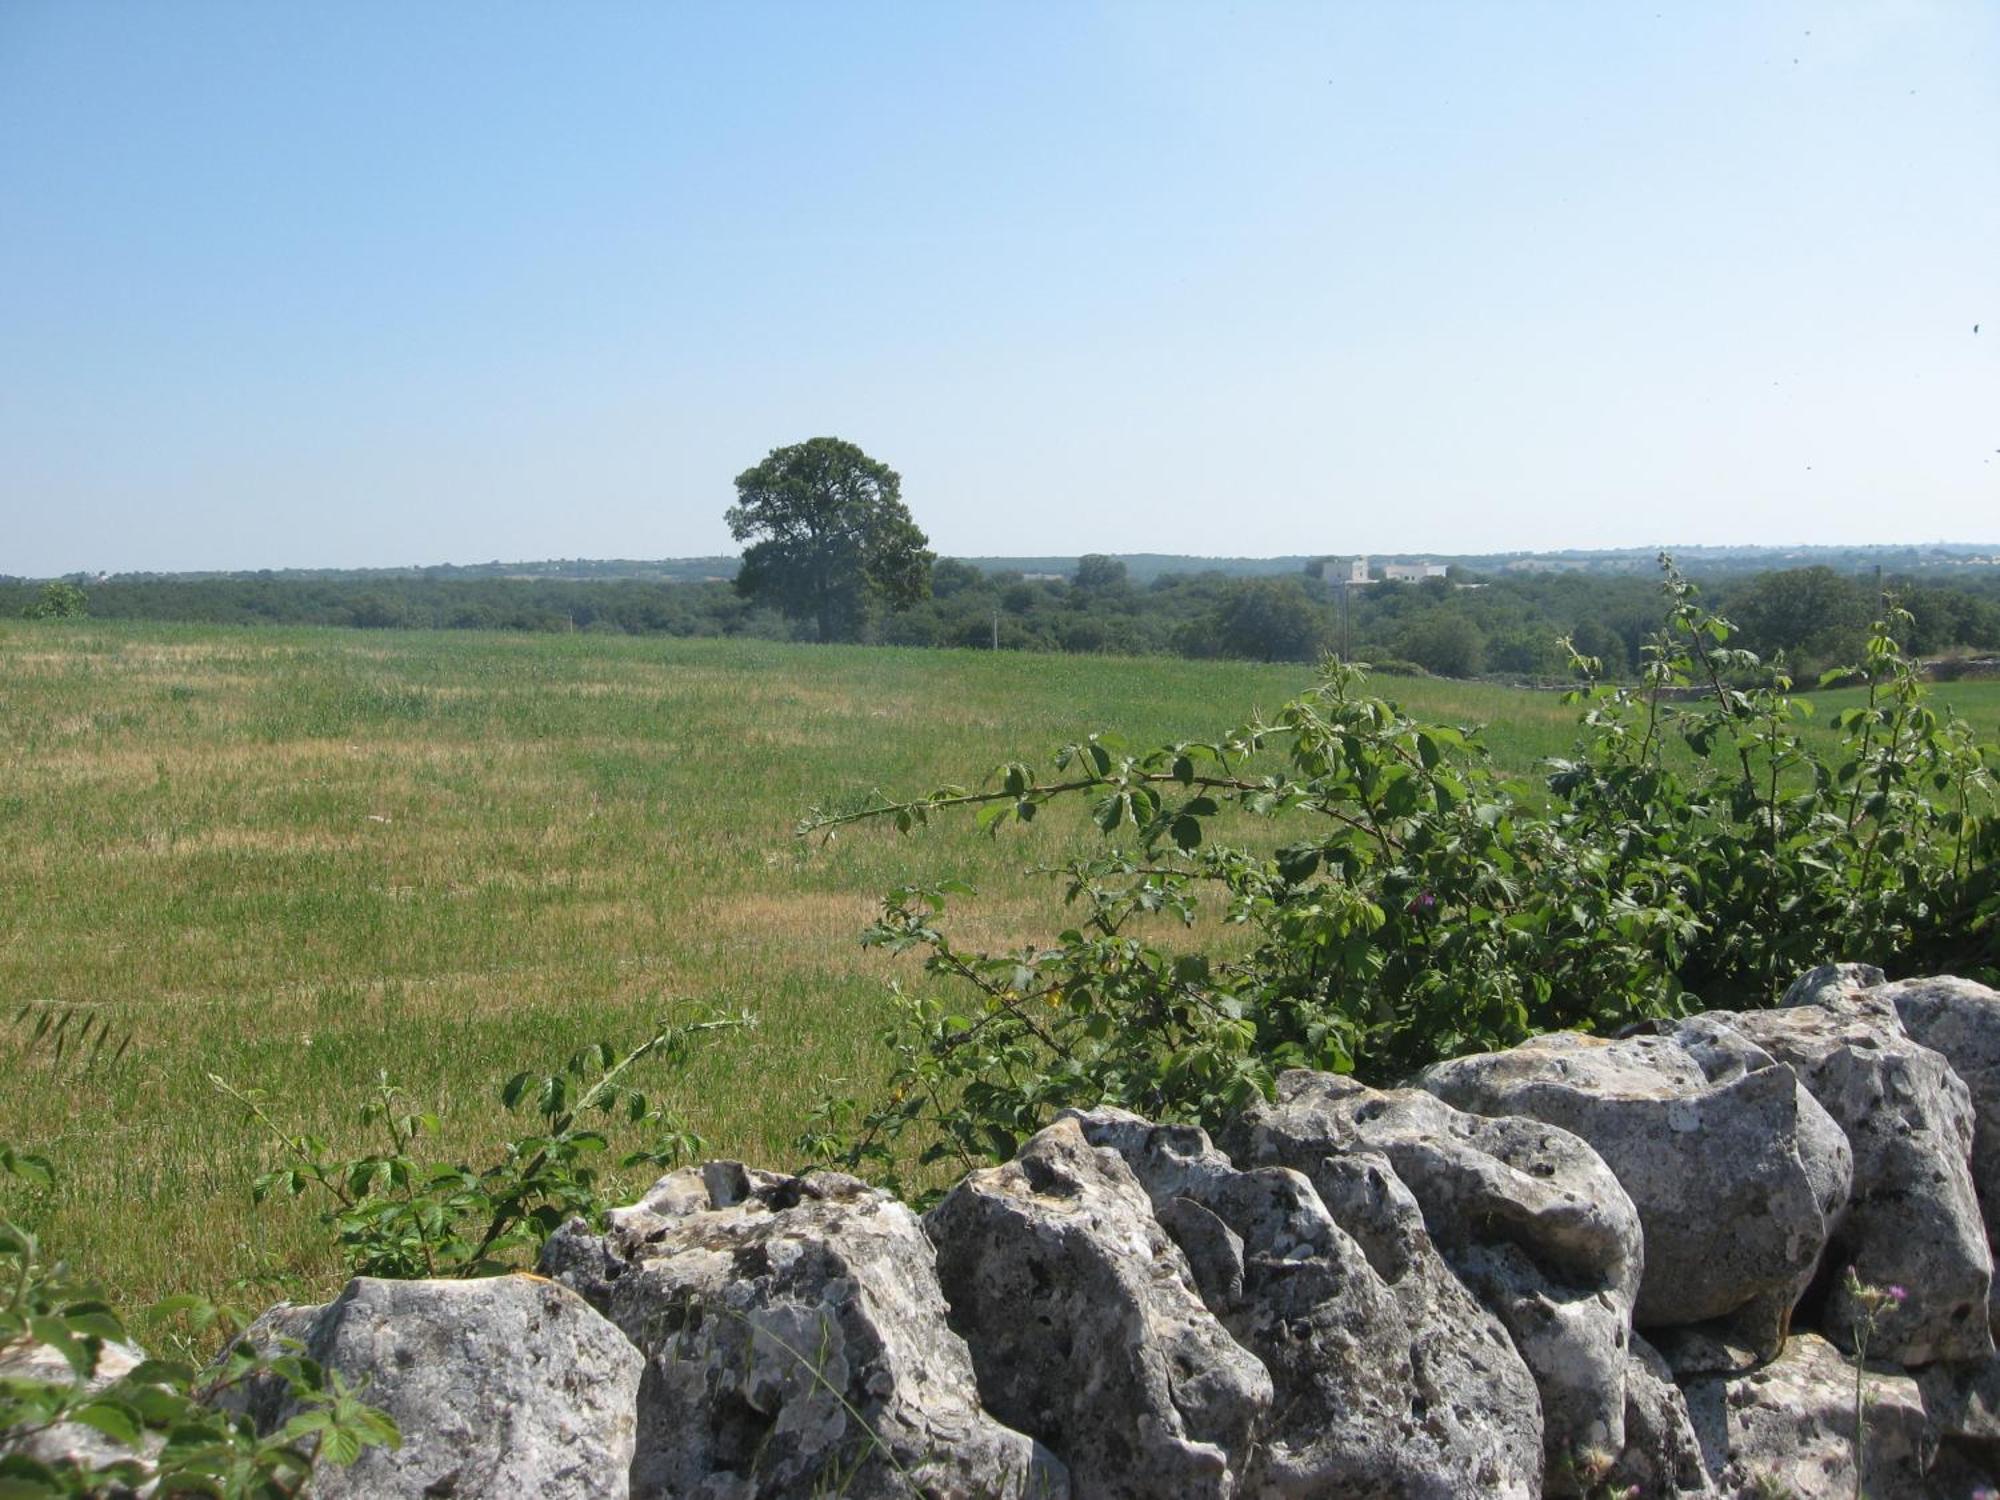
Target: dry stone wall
1583 1267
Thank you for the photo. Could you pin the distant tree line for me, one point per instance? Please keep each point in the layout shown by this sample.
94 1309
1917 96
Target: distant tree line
1461 626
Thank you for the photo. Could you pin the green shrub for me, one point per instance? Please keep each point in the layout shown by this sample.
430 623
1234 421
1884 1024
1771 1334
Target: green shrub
1697 849
57 600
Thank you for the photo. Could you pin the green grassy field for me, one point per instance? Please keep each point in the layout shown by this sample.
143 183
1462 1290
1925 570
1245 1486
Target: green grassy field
295 858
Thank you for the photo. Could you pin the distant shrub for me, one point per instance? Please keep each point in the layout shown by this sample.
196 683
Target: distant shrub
1394 666
57 600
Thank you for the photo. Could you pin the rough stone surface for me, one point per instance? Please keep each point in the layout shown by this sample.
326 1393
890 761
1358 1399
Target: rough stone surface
1662 1455
1809 986
1737 1174
1530 1218
508 1386
1789 1427
1386 1386
795 1343
1086 1327
1961 1020
1913 1217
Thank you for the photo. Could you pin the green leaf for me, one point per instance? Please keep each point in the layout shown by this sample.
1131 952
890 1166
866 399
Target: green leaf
116 1421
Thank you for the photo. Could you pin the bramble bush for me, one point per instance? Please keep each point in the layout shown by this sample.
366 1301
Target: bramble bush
1699 846
399 1217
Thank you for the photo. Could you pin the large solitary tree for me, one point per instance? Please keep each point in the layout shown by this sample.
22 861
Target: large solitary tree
835 539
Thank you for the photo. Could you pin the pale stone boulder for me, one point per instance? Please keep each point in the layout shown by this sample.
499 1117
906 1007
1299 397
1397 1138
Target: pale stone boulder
1359 1361
1787 1428
1914 1220
1528 1216
794 1343
1737 1174
1086 1327
506 1386
1809 986
1960 1019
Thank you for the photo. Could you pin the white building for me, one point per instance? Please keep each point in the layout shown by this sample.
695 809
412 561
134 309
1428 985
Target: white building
1357 571
1412 572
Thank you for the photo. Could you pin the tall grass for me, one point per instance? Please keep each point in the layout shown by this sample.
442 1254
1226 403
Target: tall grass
297 857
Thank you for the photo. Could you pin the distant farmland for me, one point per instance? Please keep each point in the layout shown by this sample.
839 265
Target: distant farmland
297 857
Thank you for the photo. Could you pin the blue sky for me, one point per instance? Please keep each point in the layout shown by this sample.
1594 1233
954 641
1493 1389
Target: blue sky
295 285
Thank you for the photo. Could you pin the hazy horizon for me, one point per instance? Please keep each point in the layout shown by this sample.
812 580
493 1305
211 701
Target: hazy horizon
333 287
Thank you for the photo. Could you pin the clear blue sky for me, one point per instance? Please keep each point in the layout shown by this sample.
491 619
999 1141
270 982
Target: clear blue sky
368 283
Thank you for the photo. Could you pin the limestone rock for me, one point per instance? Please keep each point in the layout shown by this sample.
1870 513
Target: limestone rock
1386 1385
1913 1219
1527 1214
1809 986
795 1342
1086 1327
1961 1020
75 1442
1737 1174
1662 1455
508 1386
1789 1427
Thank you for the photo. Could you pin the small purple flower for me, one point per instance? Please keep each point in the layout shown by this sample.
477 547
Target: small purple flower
1897 1294
1422 902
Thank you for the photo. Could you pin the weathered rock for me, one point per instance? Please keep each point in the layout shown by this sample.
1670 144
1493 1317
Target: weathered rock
508 1386
1086 1327
1809 986
1788 1428
76 1442
1963 1400
795 1342
1913 1218
1961 1020
1662 1455
1527 1214
1383 1389
1737 1174
282 1328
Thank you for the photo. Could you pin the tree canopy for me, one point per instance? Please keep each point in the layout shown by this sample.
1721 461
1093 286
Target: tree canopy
833 540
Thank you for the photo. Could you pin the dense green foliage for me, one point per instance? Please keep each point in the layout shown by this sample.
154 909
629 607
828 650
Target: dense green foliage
57 600
1509 625
1697 849
831 543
